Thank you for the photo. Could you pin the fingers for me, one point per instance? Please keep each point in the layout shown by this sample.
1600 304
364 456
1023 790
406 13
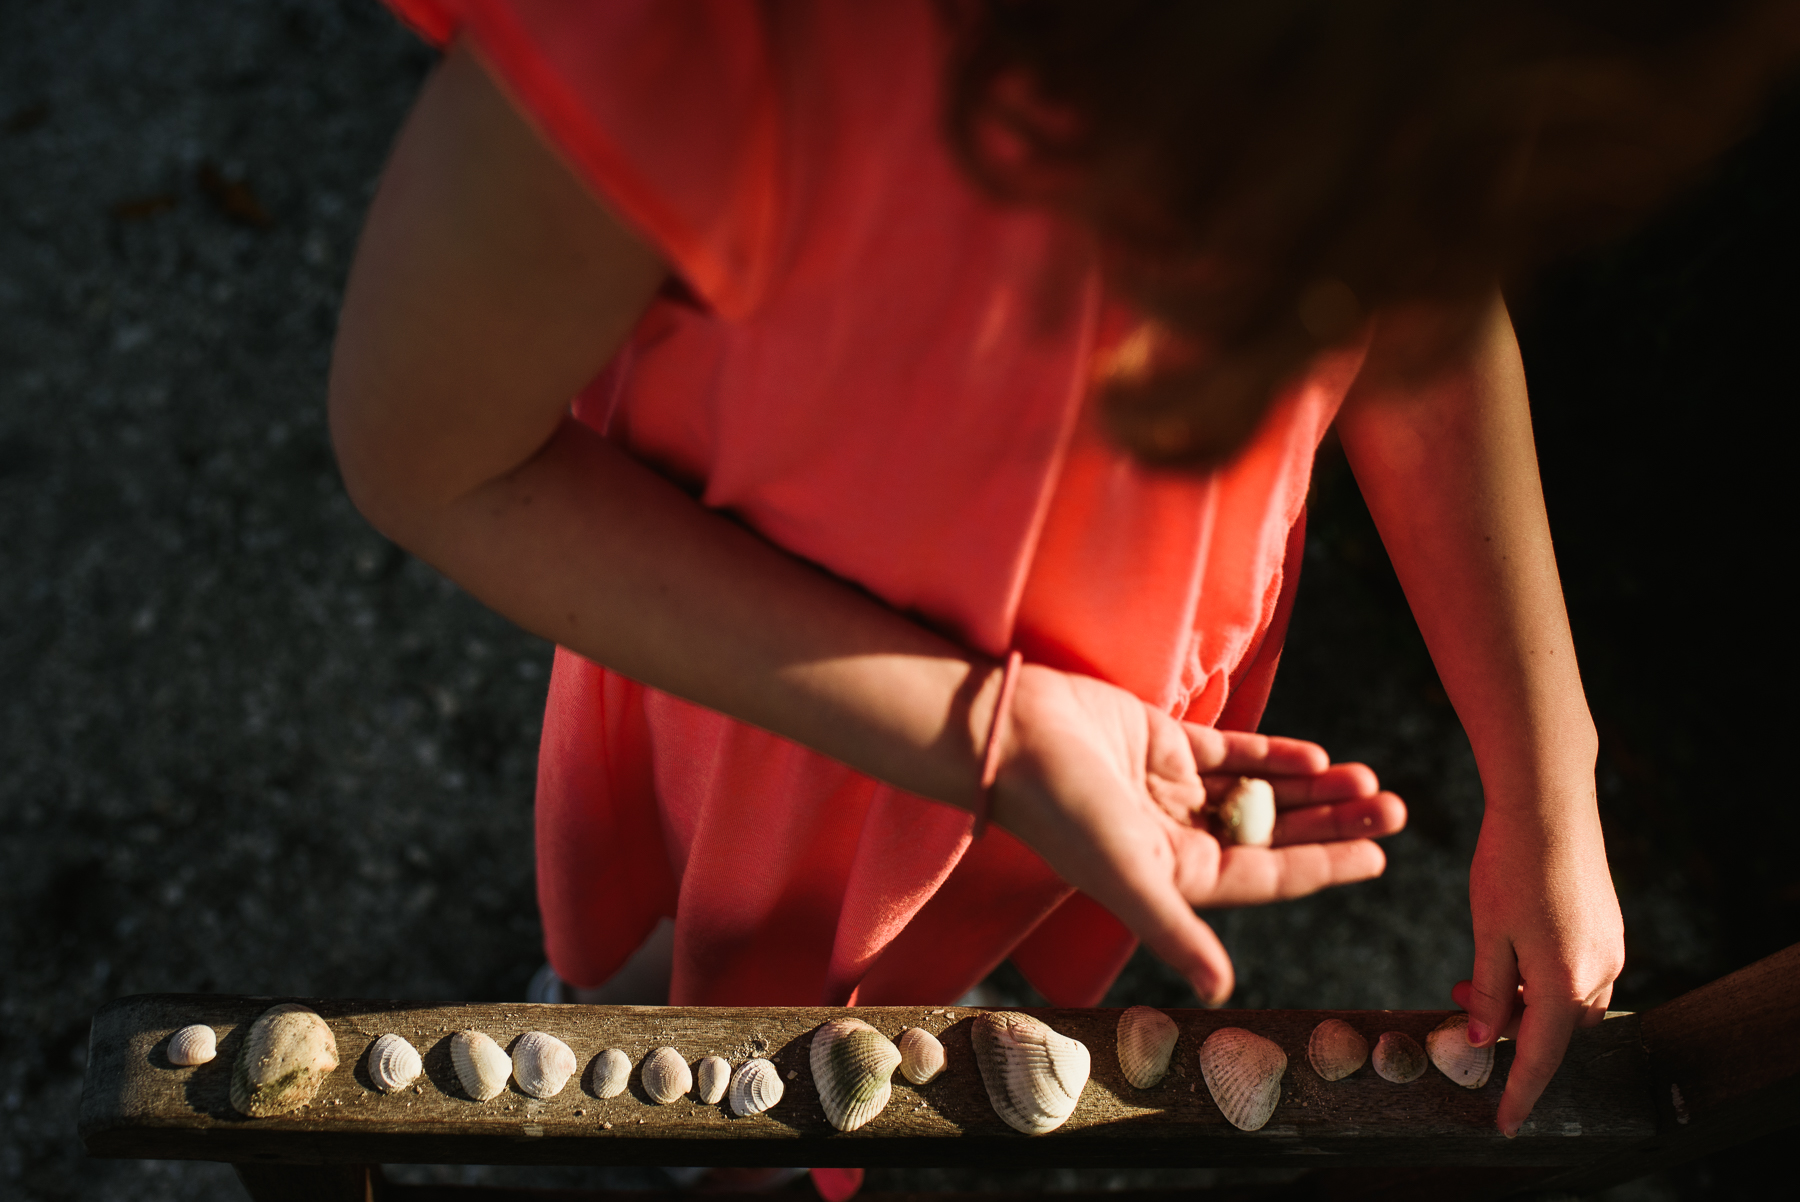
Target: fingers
1462 991
1493 996
1172 931
1243 753
1544 1032
1368 818
1249 876
1595 1012
1339 782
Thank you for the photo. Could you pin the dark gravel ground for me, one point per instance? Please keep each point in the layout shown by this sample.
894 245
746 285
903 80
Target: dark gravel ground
248 746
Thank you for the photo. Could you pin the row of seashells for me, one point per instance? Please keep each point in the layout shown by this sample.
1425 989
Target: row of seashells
1243 1070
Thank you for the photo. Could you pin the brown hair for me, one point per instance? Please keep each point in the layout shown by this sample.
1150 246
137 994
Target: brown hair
1263 175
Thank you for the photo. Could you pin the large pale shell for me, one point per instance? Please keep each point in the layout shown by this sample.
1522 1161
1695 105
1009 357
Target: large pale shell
1034 1076
612 1073
394 1063
713 1076
1243 1073
853 1066
1146 1042
285 1055
921 1055
1336 1049
481 1064
756 1088
193 1045
666 1076
1399 1058
1448 1047
1247 813
542 1064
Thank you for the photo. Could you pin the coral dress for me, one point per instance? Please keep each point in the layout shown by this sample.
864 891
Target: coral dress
883 372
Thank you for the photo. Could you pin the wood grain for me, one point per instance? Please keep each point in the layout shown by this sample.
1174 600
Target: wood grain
135 1103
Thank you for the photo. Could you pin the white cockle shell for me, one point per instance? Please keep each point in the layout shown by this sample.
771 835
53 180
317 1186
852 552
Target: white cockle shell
193 1045
1448 1047
542 1064
1336 1049
612 1073
1034 1076
1398 1058
1243 1073
394 1063
666 1075
756 1088
712 1075
1246 814
481 1064
921 1055
1146 1042
284 1057
853 1067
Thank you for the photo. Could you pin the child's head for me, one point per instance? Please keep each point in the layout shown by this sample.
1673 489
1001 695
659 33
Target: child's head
1263 174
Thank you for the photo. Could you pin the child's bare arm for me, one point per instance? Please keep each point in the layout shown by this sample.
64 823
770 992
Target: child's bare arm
1449 470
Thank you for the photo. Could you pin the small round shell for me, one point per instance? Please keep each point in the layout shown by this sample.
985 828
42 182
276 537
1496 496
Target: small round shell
756 1088
393 1063
1247 813
611 1073
853 1066
1146 1042
1243 1073
542 1064
713 1075
666 1076
1448 1047
284 1057
1336 1049
1399 1058
193 1045
1034 1075
481 1064
921 1055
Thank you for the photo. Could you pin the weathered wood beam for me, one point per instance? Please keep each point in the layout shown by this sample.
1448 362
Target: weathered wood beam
135 1103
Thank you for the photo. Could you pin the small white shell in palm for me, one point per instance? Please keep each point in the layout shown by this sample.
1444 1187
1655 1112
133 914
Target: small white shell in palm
1448 1047
542 1064
1146 1042
481 1064
1243 1073
756 1088
1246 814
393 1063
612 1073
1398 1058
712 1075
666 1076
921 1055
853 1066
193 1045
1336 1049
284 1057
1034 1076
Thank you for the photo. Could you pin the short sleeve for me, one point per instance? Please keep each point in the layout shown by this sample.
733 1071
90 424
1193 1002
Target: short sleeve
667 109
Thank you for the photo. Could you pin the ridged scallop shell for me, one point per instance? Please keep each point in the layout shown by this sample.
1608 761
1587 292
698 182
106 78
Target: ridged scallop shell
1448 1047
1146 1042
481 1064
193 1045
921 1055
1398 1058
713 1075
756 1088
1246 814
393 1063
1336 1049
285 1056
1243 1073
612 1073
853 1066
666 1076
1034 1076
542 1064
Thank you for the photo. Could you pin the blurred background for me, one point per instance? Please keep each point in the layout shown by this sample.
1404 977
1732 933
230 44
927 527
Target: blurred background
248 746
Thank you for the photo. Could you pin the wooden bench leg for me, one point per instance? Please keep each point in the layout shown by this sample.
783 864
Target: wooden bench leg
310 1182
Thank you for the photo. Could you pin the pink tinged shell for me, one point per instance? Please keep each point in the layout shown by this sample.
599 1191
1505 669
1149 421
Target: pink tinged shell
921 1055
482 1066
1246 814
611 1073
756 1088
1146 1043
542 1064
193 1045
1034 1075
1243 1073
666 1076
1399 1058
853 1067
1336 1049
1448 1047
713 1075
285 1056
394 1063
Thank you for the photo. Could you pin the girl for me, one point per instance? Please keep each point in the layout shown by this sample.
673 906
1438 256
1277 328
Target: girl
853 427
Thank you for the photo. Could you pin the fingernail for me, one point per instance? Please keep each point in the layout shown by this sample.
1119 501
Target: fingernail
1511 1132
1478 1033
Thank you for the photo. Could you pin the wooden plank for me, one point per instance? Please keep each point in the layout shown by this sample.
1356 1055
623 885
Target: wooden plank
136 1104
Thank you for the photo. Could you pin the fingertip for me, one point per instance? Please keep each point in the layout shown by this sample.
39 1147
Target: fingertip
1460 993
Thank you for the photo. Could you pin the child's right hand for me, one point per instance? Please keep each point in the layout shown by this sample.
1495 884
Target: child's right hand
1109 791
